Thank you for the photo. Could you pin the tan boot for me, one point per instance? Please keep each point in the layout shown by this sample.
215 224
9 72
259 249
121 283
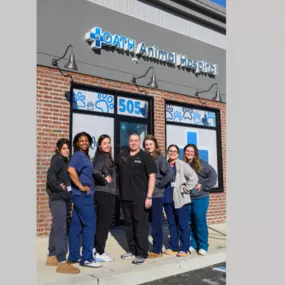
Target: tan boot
154 255
64 267
51 261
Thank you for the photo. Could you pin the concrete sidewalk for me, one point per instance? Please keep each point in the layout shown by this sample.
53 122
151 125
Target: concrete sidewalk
123 271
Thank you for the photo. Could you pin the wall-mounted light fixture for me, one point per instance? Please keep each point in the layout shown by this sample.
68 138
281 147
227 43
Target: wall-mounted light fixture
217 96
71 64
152 83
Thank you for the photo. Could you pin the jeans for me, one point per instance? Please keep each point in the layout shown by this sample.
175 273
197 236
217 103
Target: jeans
198 223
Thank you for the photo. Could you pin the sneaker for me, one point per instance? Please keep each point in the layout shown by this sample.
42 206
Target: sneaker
154 255
182 253
170 252
202 252
92 264
192 249
139 260
65 267
127 255
104 257
51 261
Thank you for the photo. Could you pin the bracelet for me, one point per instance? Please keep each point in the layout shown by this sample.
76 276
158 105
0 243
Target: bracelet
149 198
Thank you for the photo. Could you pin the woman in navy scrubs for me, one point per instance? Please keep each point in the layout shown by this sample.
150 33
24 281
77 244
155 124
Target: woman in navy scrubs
83 220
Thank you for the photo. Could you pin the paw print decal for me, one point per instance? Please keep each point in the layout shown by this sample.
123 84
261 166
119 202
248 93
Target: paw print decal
90 106
105 102
169 110
79 100
211 118
196 117
178 115
187 113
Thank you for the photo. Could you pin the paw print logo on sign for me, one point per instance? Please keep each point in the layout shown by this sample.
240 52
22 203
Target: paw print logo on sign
104 103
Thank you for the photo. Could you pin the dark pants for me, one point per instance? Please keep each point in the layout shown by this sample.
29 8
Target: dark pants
136 227
198 223
156 225
83 221
178 227
57 237
104 203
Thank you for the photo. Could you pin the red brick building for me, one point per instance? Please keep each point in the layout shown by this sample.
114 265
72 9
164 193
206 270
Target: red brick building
59 113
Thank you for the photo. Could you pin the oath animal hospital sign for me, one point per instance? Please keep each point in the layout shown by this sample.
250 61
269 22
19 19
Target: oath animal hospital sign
98 39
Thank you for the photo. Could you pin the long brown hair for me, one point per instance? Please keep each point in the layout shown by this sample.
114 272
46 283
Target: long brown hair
157 150
99 150
195 164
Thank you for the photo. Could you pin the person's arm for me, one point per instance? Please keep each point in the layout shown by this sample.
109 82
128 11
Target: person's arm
75 179
167 172
75 166
52 175
211 178
151 170
98 164
191 178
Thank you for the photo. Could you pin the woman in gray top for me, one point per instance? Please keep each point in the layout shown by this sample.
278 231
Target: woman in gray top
163 177
104 173
200 198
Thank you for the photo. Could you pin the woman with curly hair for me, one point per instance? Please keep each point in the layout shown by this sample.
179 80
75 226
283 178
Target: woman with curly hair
83 220
199 199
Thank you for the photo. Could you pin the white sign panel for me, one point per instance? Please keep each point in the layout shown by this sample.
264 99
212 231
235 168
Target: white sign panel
132 107
95 126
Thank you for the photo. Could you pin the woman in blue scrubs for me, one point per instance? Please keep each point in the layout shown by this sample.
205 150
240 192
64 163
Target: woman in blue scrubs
83 220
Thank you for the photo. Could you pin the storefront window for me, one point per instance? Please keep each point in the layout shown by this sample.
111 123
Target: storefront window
187 124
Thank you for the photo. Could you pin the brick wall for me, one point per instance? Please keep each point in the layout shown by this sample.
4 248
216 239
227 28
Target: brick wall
53 123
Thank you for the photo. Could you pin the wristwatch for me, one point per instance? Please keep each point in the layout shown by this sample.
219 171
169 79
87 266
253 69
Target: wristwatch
149 197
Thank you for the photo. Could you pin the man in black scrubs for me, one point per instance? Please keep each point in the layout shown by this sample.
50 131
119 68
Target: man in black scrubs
136 170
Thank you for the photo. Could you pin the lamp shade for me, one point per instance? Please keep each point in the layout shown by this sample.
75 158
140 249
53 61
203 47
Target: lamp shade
153 82
71 64
218 97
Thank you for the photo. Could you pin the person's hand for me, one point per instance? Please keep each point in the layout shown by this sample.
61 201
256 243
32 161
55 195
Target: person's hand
198 187
148 203
85 189
62 186
108 179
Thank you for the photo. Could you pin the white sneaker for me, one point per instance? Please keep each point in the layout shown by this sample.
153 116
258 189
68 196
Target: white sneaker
104 257
192 249
92 264
202 252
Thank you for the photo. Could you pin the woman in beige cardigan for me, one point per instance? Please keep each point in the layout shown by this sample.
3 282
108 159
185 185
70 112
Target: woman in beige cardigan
176 203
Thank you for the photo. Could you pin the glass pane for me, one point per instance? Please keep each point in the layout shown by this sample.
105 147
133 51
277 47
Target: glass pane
180 114
204 139
126 128
93 101
86 123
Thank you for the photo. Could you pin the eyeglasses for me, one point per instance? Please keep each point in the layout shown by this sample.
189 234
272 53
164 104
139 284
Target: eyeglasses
172 151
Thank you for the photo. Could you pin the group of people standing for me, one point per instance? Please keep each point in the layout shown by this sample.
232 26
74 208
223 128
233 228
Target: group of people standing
146 183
